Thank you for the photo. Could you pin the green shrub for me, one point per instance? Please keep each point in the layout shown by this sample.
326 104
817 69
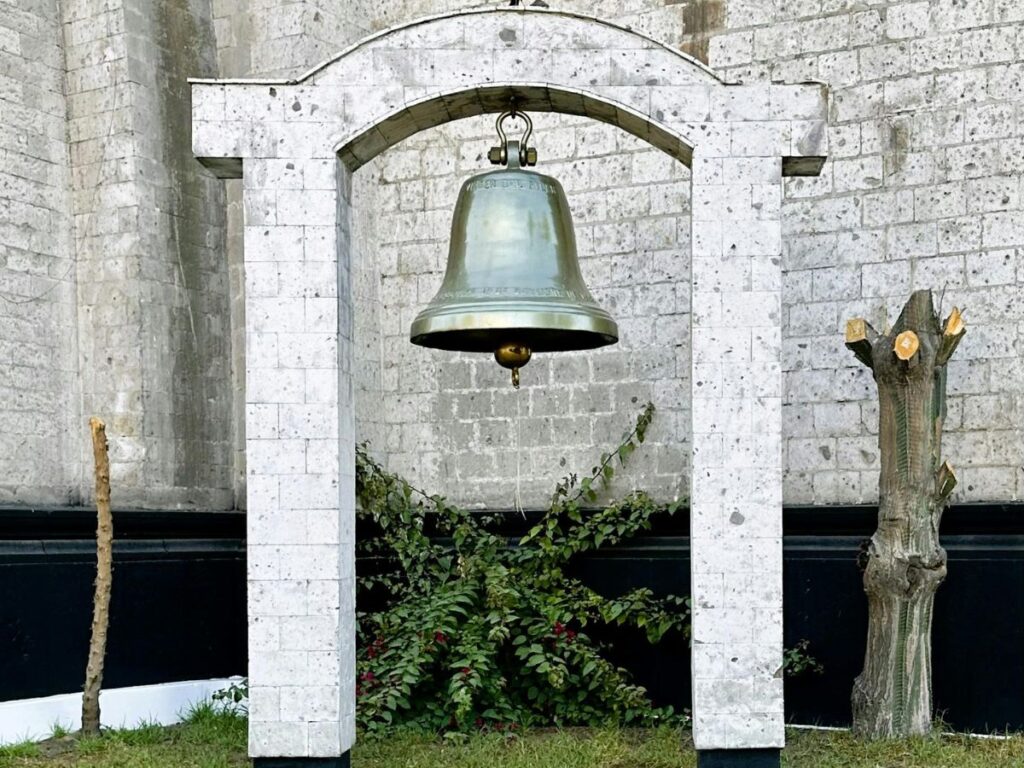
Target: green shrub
478 633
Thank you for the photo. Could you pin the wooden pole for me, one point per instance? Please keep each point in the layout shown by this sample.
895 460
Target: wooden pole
104 568
906 563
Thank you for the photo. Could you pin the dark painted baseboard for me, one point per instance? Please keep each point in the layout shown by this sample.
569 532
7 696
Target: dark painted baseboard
18 523
739 758
164 560
303 762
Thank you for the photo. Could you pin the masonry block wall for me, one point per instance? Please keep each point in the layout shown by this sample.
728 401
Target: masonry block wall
114 294
149 233
183 327
38 352
923 189
452 422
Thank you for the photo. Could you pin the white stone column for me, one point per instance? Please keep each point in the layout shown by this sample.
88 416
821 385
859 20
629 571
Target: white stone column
736 497
300 455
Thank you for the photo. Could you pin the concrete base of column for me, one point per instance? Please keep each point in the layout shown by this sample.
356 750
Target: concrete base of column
344 761
739 758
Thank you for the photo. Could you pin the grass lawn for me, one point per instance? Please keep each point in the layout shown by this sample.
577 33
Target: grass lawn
212 740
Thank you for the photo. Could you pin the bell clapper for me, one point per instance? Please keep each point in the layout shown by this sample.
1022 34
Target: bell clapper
513 356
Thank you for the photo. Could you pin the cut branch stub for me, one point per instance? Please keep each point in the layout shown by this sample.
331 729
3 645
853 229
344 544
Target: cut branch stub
953 332
954 325
945 481
906 346
860 336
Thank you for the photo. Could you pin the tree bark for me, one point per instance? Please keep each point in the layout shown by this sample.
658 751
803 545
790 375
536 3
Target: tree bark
104 568
905 565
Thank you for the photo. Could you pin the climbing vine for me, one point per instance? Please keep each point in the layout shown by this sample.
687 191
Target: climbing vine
476 631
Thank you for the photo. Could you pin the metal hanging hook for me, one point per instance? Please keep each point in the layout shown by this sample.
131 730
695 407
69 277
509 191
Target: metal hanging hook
499 155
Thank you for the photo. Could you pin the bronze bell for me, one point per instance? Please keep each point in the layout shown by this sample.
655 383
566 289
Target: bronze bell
513 286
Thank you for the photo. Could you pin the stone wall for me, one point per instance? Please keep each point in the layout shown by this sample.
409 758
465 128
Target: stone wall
115 290
922 189
39 416
452 423
153 319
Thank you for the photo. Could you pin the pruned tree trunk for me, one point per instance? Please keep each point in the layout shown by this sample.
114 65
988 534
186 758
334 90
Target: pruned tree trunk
101 597
905 564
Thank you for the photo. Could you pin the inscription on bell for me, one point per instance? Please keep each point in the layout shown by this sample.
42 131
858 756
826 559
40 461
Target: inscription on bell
520 292
525 185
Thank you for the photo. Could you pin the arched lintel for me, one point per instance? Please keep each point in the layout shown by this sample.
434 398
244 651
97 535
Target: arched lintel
437 109
700 68
428 72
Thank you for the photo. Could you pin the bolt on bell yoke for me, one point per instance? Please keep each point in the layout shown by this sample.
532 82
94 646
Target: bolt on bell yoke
513 285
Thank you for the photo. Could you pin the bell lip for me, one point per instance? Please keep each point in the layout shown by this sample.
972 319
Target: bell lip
569 341
455 330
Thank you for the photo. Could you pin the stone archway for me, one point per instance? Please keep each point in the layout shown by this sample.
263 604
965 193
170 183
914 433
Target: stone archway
297 142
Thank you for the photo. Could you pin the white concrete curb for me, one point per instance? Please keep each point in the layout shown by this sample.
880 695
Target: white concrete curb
162 704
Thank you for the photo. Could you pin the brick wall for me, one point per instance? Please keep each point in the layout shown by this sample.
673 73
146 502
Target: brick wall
39 416
152 303
922 189
451 422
